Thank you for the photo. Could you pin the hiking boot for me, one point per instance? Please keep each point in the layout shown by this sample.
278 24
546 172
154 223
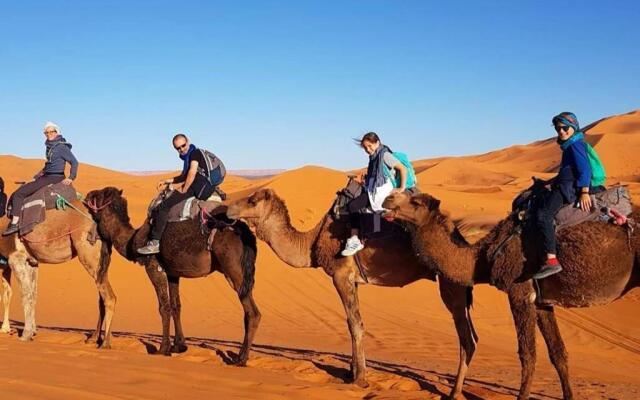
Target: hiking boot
353 246
152 247
11 229
551 267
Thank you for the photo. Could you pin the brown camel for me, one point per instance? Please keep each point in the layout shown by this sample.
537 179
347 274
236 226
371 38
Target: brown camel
183 254
61 237
387 261
601 263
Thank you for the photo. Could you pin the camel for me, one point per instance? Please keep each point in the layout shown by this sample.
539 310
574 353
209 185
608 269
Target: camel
387 261
61 237
183 254
601 263
5 295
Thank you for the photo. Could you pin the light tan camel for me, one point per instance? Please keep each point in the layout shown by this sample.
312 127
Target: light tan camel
61 237
388 261
5 295
601 263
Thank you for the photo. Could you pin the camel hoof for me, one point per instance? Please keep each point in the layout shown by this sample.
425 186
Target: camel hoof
241 362
179 348
26 336
105 346
5 329
361 382
164 350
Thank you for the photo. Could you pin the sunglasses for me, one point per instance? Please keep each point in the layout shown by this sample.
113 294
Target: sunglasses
49 132
184 145
563 128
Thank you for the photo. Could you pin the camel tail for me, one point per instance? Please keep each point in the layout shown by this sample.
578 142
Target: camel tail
248 259
105 260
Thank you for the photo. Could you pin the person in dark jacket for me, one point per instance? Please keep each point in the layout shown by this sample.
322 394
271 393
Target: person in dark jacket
572 185
3 199
58 154
191 184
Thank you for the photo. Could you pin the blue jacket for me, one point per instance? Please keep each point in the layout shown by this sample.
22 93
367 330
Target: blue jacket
58 153
575 170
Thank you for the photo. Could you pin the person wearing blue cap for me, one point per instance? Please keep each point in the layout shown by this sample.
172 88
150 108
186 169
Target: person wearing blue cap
580 174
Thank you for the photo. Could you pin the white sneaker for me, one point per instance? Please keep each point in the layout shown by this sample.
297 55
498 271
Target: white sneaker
353 246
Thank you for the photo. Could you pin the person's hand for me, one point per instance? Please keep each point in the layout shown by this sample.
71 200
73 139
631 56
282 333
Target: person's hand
585 202
162 184
397 190
67 181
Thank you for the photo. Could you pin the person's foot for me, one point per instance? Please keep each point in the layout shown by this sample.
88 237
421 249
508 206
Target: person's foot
353 246
11 229
551 267
152 247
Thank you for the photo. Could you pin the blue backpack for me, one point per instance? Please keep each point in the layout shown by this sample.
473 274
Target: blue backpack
411 173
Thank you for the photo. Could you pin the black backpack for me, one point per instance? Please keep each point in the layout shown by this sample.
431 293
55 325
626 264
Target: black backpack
214 170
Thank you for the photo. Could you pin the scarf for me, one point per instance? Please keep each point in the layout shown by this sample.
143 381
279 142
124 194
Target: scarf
185 158
51 144
574 138
375 170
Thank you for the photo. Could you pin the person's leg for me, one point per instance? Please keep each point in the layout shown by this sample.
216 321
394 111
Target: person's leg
549 206
161 216
353 244
24 191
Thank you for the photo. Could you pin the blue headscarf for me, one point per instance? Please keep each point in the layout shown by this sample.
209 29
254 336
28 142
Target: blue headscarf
186 159
567 118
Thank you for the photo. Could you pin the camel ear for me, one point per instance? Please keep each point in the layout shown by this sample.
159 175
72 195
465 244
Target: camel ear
120 192
427 201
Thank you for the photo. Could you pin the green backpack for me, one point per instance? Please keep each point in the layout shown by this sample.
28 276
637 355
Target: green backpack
411 173
598 175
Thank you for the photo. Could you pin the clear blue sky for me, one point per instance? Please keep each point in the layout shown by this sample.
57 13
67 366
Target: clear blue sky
280 84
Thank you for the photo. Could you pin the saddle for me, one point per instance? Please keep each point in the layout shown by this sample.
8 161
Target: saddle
209 213
606 204
48 198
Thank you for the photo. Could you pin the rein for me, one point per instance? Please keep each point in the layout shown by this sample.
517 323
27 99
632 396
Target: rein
94 207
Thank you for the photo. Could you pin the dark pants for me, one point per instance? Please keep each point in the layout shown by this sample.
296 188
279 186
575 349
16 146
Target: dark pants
3 203
546 209
354 207
199 189
26 190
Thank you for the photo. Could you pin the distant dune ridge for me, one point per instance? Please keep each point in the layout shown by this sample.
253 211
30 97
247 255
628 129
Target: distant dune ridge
303 343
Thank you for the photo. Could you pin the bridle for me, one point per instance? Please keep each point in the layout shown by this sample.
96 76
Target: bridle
91 204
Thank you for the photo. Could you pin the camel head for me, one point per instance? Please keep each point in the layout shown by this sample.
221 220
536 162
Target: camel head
107 202
255 208
416 209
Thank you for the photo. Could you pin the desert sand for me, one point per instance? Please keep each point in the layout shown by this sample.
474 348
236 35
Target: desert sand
302 347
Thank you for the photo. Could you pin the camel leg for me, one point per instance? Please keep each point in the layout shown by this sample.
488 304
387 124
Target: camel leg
6 298
161 285
524 317
555 346
95 259
251 321
28 278
179 343
456 299
343 280
95 336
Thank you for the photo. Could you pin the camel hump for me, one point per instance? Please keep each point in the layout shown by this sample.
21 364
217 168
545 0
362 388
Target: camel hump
54 196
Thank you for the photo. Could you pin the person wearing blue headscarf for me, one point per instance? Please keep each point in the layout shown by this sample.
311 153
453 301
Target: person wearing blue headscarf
571 185
189 183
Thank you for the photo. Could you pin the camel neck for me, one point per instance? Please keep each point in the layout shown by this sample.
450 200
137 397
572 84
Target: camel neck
290 245
444 245
121 234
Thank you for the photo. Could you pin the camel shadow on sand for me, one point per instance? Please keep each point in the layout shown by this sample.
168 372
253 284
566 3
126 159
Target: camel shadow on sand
335 365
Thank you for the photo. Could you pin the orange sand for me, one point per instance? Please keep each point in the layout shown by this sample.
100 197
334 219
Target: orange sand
303 346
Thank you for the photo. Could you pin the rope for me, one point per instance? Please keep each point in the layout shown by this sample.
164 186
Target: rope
61 204
24 239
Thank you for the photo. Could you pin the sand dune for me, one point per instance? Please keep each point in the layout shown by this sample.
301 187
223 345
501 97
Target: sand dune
303 345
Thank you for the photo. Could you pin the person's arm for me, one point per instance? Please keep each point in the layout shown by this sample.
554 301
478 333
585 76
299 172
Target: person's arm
583 169
191 176
402 170
68 156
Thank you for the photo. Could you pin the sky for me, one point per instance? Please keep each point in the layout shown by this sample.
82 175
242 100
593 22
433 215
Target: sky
281 84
